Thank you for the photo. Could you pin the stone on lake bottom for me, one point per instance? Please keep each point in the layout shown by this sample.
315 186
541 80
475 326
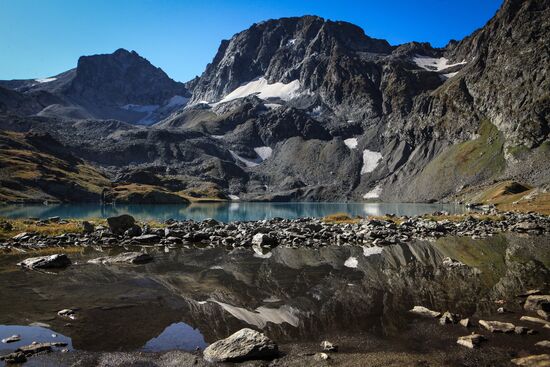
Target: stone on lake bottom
497 326
535 320
540 360
423 311
471 341
543 343
245 344
465 322
328 346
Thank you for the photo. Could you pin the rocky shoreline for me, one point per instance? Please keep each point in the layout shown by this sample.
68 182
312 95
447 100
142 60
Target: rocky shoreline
263 235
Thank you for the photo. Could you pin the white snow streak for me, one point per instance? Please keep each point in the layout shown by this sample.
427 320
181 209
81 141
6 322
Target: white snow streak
351 143
247 162
370 161
374 193
234 197
45 80
264 90
351 262
374 250
263 152
434 64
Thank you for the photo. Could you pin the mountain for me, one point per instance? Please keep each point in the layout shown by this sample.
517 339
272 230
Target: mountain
121 85
305 108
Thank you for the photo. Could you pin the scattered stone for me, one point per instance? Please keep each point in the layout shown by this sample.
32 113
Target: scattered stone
147 238
121 223
11 339
536 320
245 344
451 263
46 262
125 257
320 357
543 343
67 312
540 360
328 346
21 236
423 311
40 324
36 348
502 310
133 231
54 219
449 318
465 322
471 341
497 326
534 303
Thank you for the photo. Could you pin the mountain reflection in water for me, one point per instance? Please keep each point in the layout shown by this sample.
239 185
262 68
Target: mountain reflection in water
188 298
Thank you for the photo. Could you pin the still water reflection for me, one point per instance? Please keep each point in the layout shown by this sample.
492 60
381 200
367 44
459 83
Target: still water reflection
188 298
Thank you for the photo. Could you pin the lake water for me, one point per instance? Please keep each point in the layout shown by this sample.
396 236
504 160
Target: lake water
188 298
225 212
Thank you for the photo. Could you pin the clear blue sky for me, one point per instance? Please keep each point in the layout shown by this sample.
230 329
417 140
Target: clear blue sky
40 38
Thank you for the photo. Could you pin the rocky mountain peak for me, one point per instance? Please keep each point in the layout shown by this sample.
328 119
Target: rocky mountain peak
121 78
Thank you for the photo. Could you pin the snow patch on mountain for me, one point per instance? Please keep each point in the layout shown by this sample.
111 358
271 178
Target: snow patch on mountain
351 143
374 250
247 162
263 152
434 64
45 80
351 262
370 161
147 109
264 90
176 101
374 193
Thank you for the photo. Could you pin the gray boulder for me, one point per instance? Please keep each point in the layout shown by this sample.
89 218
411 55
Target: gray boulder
245 344
46 262
121 223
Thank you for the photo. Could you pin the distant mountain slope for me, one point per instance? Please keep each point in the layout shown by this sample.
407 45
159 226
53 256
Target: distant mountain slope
121 85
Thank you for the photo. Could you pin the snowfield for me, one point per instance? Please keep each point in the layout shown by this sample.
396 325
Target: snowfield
374 193
148 109
45 80
369 251
351 262
370 161
263 152
351 143
176 101
247 162
264 90
434 64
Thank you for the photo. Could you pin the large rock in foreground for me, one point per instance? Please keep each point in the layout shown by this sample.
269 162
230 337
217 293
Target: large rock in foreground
121 223
245 344
46 262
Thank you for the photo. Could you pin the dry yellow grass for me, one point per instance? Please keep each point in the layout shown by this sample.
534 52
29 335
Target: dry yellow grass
340 218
